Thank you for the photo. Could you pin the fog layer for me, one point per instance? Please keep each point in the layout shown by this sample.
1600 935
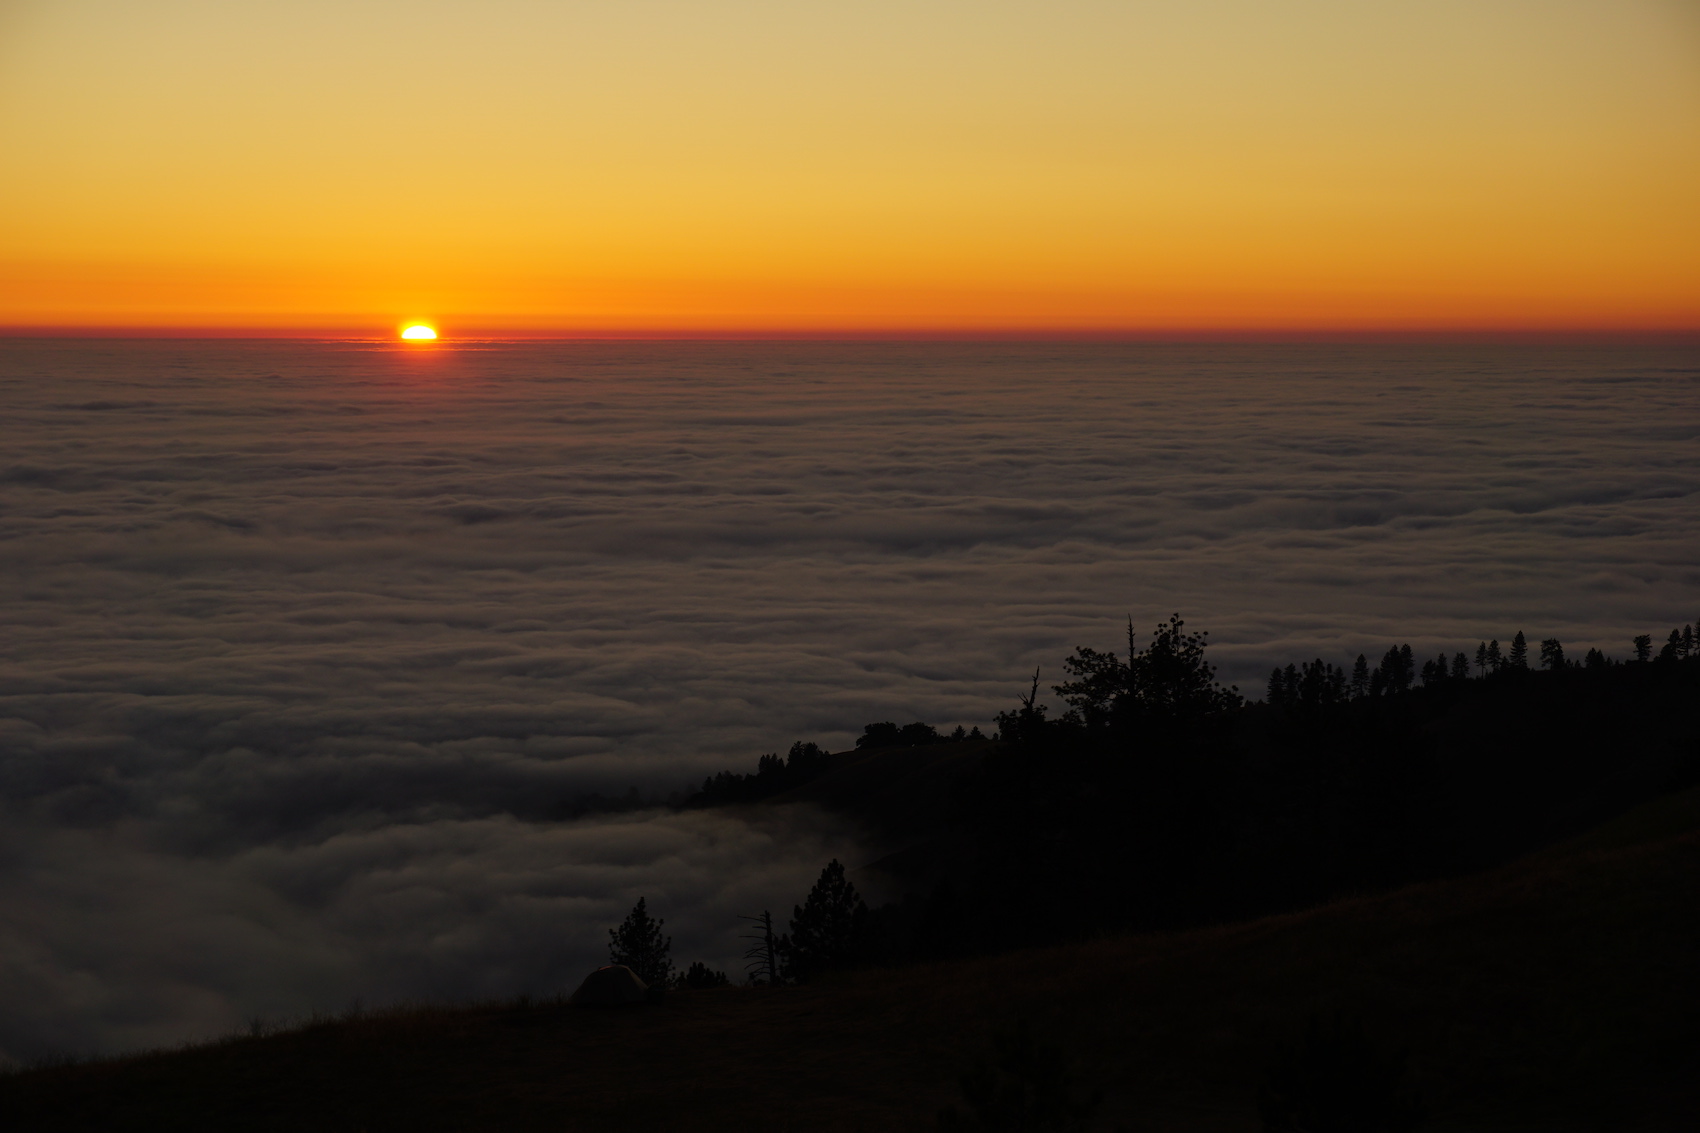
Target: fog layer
308 647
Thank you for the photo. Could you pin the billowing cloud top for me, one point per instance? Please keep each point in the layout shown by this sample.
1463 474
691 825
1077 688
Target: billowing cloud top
307 644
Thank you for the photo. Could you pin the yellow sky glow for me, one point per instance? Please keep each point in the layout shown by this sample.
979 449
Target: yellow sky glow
726 165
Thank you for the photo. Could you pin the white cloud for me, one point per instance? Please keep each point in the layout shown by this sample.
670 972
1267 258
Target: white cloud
318 607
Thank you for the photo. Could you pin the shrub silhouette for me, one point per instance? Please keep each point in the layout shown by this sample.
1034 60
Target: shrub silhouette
1026 1085
1336 1081
700 975
887 734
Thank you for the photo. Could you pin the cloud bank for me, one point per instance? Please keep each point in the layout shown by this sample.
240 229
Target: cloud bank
307 644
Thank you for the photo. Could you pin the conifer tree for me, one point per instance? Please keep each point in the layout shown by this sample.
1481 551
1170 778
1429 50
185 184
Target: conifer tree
1643 646
639 945
1673 647
827 928
1518 658
1494 660
1481 659
1460 667
1552 654
1360 677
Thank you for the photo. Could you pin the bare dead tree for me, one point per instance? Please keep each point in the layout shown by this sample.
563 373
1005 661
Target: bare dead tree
763 954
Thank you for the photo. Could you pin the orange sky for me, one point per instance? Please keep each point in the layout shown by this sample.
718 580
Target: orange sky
730 165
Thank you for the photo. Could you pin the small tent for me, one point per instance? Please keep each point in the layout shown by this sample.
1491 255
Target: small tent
611 983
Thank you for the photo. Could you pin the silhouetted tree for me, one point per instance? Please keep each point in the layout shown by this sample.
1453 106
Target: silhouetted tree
700 976
1518 658
1594 659
1481 660
1672 650
1643 647
1336 1081
1165 692
766 953
1101 682
1397 669
1172 681
1360 677
827 929
1460 667
882 734
1024 1087
1552 654
639 945
1494 660
1392 670
1027 724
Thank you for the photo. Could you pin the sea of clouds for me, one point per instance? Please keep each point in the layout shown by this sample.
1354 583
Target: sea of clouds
309 647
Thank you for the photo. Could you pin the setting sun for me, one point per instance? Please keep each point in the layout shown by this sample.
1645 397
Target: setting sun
419 332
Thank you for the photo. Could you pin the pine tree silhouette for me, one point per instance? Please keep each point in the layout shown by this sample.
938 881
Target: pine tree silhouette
639 945
827 928
1518 658
1360 677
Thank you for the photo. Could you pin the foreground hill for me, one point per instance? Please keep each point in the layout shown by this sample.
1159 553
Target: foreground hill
1558 992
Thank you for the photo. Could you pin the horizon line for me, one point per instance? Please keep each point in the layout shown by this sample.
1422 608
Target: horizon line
1106 334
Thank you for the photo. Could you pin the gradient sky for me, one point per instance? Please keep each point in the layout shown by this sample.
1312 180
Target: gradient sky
757 165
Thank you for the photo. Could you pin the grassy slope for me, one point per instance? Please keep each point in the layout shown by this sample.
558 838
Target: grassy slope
1559 992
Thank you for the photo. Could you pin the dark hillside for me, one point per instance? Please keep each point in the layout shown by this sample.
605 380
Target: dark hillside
907 798
903 790
1554 993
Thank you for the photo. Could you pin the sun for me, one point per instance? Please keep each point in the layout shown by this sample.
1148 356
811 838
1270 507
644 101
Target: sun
419 332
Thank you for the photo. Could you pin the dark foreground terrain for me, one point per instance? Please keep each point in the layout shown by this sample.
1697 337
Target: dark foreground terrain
1560 991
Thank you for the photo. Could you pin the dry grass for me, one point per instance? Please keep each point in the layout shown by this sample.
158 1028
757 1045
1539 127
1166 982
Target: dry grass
1557 993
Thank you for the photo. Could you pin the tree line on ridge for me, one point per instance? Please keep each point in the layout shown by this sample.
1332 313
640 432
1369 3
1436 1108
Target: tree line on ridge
1160 798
